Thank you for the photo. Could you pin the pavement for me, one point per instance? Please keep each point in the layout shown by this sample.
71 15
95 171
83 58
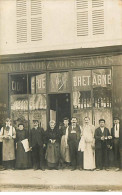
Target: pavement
60 180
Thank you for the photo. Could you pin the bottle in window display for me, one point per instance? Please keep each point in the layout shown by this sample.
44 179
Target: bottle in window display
90 102
84 102
107 102
110 102
104 102
96 103
81 102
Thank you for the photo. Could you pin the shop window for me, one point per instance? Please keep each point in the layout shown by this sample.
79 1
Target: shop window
37 109
19 109
59 82
82 100
28 99
37 83
92 95
18 84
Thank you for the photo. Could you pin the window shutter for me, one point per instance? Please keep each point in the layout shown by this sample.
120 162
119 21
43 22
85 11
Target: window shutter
98 17
36 20
82 17
21 23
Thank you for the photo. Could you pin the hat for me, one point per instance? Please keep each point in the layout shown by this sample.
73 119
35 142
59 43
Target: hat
20 124
35 121
116 118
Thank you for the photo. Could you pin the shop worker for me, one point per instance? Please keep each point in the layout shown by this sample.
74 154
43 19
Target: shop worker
89 152
116 133
102 137
73 136
53 146
37 143
8 135
65 157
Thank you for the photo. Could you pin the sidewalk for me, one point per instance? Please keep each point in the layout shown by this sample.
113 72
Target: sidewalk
60 180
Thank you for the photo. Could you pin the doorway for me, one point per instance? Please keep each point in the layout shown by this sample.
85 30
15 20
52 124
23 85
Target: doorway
60 107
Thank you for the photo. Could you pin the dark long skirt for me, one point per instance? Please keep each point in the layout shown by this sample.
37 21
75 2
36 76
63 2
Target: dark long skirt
22 157
53 155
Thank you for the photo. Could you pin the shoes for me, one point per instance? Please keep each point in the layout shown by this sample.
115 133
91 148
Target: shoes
80 169
35 169
107 169
97 169
73 169
42 169
2 169
117 169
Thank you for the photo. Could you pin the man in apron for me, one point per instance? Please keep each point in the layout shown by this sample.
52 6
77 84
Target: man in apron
8 134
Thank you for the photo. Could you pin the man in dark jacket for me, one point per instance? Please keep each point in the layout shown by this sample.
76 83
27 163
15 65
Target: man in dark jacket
73 136
102 137
37 143
116 133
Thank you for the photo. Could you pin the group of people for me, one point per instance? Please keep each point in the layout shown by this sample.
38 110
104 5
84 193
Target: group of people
68 146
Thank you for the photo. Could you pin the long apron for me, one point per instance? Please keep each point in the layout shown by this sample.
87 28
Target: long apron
8 150
64 150
53 152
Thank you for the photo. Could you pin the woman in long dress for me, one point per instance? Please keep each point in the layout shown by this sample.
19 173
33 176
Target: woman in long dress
22 157
53 148
89 144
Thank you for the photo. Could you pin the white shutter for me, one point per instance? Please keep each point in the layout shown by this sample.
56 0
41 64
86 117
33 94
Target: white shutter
82 17
21 22
36 20
98 17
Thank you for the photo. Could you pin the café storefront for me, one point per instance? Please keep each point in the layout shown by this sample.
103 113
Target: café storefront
64 87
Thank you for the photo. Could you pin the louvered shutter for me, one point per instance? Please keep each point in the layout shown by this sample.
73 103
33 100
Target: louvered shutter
36 20
98 17
82 17
21 22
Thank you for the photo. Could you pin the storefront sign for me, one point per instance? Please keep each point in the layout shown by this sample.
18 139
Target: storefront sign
22 67
81 62
41 83
84 79
84 62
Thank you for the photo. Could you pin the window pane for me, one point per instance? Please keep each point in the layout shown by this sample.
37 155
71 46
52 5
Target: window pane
59 82
19 110
37 83
37 109
18 84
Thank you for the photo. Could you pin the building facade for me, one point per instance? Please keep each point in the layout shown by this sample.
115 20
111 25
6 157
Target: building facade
61 59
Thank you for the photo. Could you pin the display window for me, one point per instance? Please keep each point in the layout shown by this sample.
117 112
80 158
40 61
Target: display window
28 99
92 95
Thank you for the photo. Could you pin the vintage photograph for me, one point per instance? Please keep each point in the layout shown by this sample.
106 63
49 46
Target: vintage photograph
60 95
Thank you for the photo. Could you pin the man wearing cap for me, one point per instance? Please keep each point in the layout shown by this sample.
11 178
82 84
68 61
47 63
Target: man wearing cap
116 133
8 134
102 137
37 143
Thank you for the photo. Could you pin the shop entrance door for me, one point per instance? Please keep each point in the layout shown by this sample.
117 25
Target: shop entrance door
60 107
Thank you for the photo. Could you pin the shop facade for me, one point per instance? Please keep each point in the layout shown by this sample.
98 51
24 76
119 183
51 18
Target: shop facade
54 88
